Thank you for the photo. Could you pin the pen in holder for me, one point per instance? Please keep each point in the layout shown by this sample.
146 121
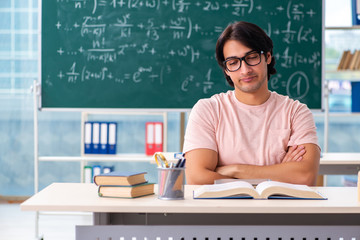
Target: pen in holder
171 183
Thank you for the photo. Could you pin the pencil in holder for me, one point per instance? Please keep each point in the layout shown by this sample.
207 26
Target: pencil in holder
171 183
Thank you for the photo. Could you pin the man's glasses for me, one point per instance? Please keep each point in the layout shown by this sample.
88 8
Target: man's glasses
251 59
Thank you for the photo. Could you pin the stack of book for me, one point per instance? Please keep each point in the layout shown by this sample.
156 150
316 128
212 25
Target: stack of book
349 60
123 185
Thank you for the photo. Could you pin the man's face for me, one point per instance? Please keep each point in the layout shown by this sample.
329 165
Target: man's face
249 79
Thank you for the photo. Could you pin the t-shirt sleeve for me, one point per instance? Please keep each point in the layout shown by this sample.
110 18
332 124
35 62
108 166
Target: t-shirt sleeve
303 129
200 129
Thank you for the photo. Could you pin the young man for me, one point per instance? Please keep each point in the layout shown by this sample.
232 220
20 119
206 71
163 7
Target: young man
250 132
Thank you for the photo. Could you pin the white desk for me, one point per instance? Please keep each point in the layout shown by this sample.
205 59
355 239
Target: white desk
339 163
118 216
75 197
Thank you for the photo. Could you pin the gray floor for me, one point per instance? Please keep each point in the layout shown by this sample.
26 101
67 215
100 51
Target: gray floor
20 225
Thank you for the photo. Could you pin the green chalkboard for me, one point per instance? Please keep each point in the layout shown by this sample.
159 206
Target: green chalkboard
160 54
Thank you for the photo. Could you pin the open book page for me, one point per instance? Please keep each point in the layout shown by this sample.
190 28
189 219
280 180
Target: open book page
224 190
253 182
278 189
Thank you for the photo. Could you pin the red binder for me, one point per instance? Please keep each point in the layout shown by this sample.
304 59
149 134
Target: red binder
154 137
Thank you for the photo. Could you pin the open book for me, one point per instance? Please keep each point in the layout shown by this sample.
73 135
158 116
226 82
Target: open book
264 190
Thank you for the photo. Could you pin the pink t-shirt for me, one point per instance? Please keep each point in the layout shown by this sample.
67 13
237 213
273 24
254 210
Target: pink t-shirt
245 134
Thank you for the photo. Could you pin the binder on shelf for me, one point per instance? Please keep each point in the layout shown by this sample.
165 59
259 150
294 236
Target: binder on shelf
356 12
104 137
355 97
88 178
149 135
158 137
96 170
87 138
154 137
95 137
112 137
108 169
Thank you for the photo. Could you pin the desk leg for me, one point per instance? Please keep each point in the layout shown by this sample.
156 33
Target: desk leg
101 218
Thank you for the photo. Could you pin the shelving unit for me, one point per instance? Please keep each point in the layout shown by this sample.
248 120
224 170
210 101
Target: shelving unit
85 158
114 158
346 75
343 28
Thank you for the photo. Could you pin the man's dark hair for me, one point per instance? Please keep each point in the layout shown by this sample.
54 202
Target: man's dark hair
250 35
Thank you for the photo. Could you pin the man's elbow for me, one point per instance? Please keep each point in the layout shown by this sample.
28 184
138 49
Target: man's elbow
310 171
198 178
191 180
308 178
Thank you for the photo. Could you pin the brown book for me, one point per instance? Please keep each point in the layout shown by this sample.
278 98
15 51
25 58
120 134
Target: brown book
342 60
126 191
357 63
347 61
120 178
354 60
264 190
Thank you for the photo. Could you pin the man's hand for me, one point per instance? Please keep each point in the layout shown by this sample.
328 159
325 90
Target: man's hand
294 154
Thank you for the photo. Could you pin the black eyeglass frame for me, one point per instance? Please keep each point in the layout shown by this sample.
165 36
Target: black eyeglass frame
243 59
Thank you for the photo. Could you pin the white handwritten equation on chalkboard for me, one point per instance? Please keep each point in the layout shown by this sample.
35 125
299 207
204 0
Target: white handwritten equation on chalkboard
142 41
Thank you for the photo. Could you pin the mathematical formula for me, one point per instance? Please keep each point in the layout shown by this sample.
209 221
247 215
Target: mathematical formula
173 42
